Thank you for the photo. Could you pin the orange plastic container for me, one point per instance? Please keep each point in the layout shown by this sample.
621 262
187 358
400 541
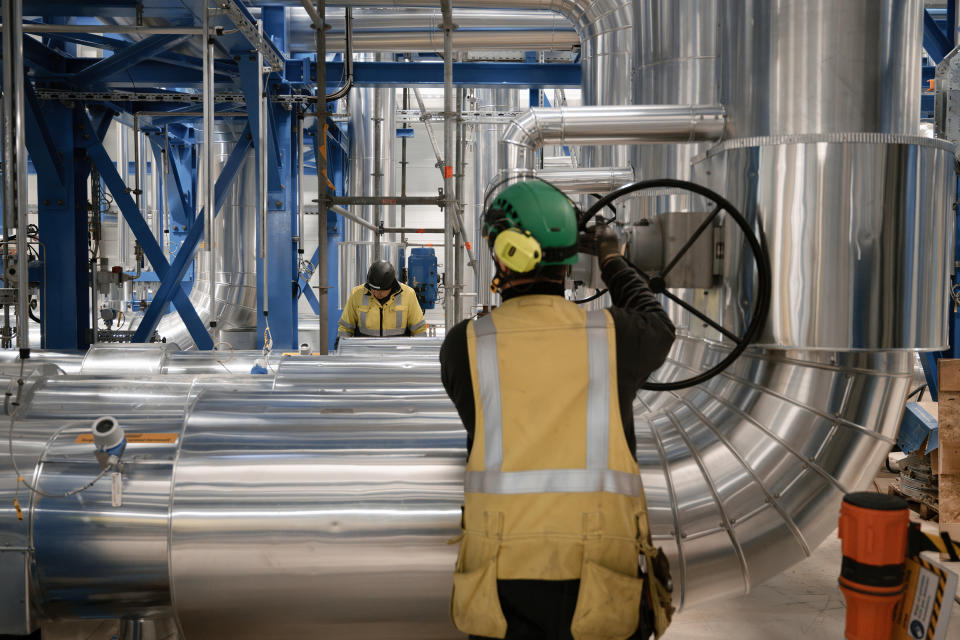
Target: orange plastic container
873 528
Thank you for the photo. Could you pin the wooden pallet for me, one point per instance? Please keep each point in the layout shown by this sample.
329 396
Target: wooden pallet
925 510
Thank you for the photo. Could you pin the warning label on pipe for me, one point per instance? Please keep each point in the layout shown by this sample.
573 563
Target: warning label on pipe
136 438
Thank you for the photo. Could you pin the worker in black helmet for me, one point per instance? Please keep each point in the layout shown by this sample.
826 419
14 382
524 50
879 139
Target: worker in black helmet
382 307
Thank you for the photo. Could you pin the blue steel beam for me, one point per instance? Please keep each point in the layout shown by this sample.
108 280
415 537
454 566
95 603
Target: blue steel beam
170 281
62 220
304 284
93 40
162 72
248 81
471 74
311 297
40 144
181 211
935 41
149 47
41 58
275 23
98 155
54 8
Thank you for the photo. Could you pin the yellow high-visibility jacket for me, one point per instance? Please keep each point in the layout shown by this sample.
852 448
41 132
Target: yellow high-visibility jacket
552 490
397 315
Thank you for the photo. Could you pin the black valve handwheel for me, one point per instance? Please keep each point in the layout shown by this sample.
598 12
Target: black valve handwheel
657 281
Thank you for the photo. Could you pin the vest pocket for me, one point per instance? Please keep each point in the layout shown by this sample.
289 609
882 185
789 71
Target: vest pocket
608 605
475 605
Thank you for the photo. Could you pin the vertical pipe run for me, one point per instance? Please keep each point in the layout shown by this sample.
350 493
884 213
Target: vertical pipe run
123 169
15 161
460 236
321 161
207 188
403 172
449 124
137 178
300 176
262 177
377 167
163 202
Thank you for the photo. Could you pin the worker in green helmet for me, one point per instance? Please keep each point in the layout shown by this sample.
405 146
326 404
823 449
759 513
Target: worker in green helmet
554 524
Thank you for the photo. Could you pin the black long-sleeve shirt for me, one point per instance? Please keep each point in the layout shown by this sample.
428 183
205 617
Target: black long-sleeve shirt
644 335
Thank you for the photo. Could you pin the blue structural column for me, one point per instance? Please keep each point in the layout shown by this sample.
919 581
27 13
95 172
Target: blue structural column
337 170
282 260
938 43
62 216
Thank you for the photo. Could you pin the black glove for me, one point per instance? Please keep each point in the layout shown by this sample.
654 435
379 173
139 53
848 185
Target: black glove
602 241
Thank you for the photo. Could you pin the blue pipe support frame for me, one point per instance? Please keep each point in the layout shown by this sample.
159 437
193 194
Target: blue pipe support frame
469 74
62 220
141 232
337 166
96 74
170 279
939 41
282 286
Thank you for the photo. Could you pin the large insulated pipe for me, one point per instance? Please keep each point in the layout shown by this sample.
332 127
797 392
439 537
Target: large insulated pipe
419 29
233 281
588 179
636 124
743 473
488 159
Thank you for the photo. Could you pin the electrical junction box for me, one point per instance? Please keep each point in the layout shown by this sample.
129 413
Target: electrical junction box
422 276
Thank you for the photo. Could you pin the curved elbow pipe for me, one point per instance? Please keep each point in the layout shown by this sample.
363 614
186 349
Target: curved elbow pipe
636 124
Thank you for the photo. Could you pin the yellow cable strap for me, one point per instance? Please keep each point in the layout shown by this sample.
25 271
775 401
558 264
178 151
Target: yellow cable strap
941 546
16 501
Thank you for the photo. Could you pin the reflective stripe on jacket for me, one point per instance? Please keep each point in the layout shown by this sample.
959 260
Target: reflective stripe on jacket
397 315
552 490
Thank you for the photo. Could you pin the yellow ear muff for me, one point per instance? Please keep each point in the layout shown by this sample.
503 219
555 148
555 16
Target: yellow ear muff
518 250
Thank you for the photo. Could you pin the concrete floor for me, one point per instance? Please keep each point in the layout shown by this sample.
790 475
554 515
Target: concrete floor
804 602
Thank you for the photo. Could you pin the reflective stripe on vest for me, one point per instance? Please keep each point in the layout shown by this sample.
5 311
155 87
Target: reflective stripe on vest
597 477
377 332
554 481
488 374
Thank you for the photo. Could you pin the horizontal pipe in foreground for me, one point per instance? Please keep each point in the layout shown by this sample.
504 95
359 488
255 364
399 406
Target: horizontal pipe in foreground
462 40
634 124
388 200
410 230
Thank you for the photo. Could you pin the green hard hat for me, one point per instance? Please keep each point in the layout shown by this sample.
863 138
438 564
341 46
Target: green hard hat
541 209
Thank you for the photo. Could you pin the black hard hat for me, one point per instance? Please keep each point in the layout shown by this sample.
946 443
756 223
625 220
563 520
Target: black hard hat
381 275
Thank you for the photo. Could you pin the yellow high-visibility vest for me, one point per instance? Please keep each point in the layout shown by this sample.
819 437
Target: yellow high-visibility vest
552 490
366 316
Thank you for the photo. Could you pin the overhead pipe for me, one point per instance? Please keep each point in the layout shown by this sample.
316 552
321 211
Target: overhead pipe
633 124
348 57
419 29
587 179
